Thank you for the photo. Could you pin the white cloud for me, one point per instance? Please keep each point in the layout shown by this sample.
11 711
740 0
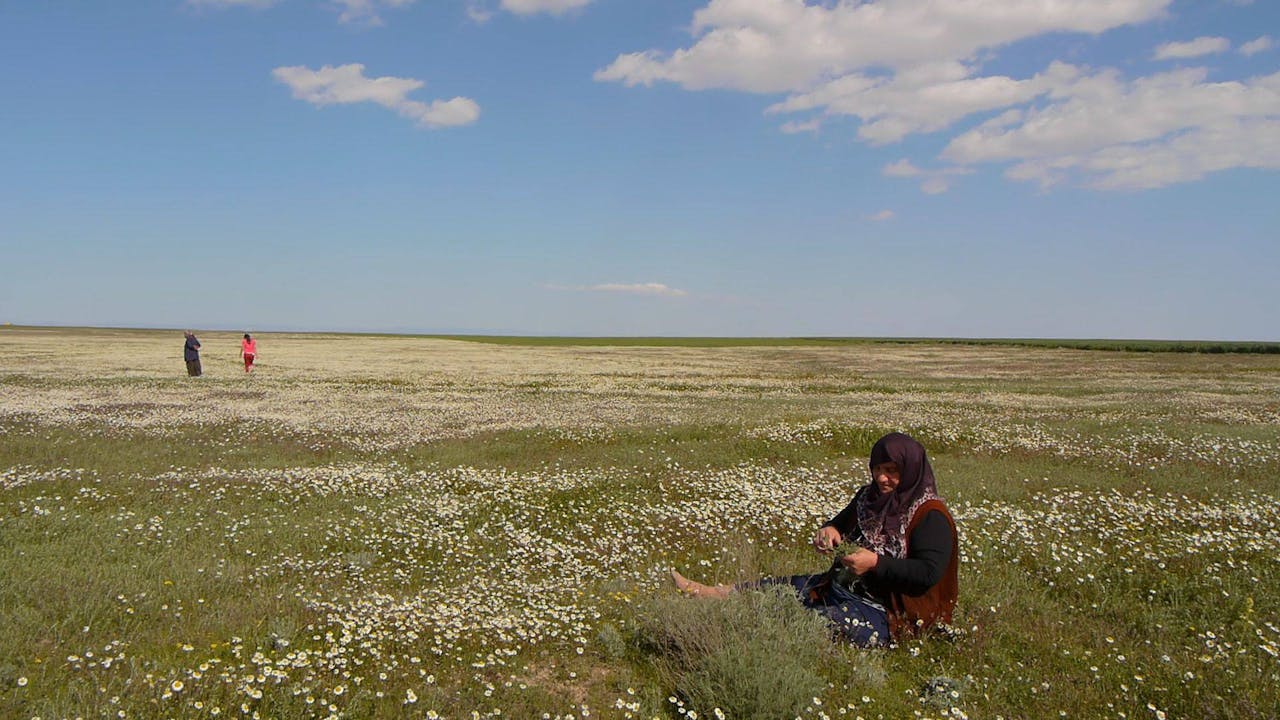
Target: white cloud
350 11
791 127
347 84
1192 48
932 182
1185 157
905 67
770 46
921 99
901 168
554 7
1150 132
1257 45
478 12
624 288
882 216
232 3
365 11
935 185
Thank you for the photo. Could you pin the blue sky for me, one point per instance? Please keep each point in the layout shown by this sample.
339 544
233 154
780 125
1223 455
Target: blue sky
1017 168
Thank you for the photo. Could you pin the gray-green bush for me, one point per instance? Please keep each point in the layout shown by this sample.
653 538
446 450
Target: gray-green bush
756 654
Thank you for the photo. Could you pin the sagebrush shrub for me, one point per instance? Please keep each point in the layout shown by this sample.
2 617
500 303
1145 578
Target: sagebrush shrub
756 654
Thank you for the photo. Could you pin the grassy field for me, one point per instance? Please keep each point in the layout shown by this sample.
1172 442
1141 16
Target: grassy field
1182 346
407 526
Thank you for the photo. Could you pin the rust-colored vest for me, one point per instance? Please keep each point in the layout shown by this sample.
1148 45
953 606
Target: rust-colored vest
910 615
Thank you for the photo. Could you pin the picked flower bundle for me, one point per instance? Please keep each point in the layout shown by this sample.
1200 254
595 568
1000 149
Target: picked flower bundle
844 575
846 547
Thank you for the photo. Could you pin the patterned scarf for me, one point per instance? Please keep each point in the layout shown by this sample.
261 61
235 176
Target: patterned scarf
883 517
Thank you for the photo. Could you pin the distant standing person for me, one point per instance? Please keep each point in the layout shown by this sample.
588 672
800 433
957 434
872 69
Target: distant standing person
248 351
191 353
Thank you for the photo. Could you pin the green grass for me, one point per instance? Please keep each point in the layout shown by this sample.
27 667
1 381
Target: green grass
690 342
115 452
1174 346
1109 344
1112 564
80 565
643 450
1118 345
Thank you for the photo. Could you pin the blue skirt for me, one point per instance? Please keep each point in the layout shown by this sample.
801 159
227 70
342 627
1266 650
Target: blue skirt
854 618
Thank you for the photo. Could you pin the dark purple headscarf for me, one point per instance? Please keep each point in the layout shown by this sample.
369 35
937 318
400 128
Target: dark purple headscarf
884 517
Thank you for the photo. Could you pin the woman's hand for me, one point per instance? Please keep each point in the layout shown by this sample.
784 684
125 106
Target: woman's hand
861 562
826 539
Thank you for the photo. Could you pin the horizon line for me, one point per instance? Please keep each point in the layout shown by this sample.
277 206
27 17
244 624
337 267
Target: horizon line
480 334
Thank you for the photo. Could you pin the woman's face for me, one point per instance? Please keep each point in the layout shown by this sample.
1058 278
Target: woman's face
886 476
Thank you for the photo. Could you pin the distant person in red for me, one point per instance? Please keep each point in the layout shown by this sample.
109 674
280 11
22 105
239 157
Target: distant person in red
191 353
248 351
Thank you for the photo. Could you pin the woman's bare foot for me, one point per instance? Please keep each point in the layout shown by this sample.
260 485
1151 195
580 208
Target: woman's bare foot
697 589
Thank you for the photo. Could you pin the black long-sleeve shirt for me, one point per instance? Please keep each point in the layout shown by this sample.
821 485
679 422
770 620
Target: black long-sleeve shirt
928 552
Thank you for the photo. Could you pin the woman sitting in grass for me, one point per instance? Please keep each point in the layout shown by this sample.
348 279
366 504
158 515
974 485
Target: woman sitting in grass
895 554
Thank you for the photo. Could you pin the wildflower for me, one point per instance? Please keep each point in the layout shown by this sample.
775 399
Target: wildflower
22 682
177 686
410 697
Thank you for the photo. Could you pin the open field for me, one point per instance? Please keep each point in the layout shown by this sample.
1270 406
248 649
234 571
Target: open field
383 527
1185 346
